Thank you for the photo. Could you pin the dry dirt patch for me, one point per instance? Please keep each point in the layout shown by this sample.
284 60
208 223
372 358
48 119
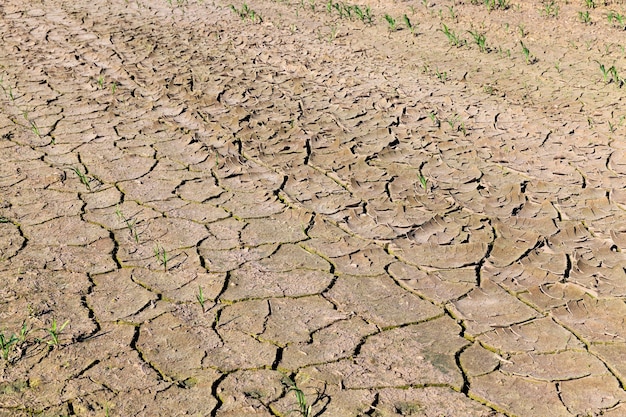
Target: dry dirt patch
395 208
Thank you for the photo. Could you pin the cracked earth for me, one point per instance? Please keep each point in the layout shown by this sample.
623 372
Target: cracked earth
206 210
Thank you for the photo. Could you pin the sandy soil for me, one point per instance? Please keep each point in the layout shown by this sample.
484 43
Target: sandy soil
209 210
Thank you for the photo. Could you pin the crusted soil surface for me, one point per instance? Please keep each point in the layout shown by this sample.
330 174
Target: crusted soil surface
209 210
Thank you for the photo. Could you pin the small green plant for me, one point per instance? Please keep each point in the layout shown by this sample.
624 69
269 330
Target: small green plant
408 23
453 38
391 22
101 82
54 331
497 4
304 408
347 10
130 224
433 117
605 73
34 128
423 181
364 15
6 344
615 77
522 31
333 33
617 20
550 9
247 13
612 127
584 17
453 121
23 333
526 52
83 178
611 75
462 129
590 4
442 76
451 12
113 88
200 298
161 255
480 40
340 9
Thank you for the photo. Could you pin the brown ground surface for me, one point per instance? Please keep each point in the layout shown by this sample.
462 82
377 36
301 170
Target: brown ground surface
275 166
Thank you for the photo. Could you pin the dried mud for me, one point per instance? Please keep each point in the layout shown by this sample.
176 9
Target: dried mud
217 208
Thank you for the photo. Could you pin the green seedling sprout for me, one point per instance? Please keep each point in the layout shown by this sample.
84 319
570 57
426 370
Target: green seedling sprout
161 255
480 40
83 178
5 345
526 52
408 23
348 10
34 128
392 22
130 224
247 13
453 38
462 129
368 15
616 19
497 4
434 119
550 9
333 33
23 332
452 12
590 4
423 181
442 76
605 73
453 121
304 408
584 17
618 81
339 9
557 66
200 298
54 331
